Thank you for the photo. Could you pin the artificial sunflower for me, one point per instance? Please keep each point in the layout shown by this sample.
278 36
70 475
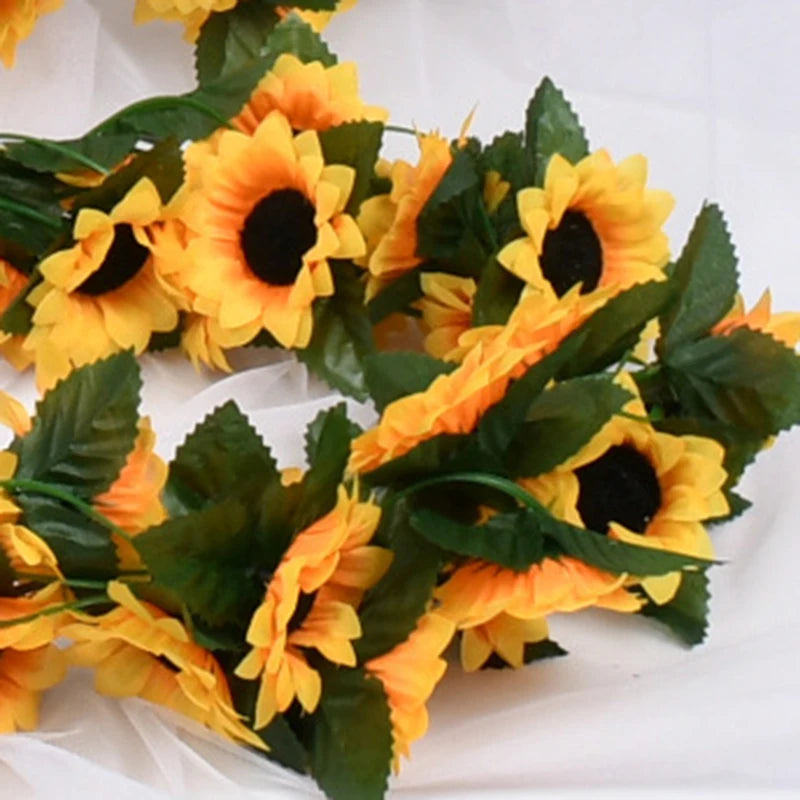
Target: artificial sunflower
27 552
12 282
453 403
389 221
311 96
784 327
17 21
318 20
138 650
193 13
310 604
409 673
593 224
641 486
266 214
102 295
29 661
446 308
501 610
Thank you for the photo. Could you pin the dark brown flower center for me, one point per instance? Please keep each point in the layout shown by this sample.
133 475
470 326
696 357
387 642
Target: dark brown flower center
621 486
123 261
571 253
277 233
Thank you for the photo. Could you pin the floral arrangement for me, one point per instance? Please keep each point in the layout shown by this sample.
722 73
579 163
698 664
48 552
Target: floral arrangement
564 411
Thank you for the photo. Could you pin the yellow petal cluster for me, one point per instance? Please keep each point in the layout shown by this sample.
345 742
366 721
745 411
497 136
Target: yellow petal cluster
785 327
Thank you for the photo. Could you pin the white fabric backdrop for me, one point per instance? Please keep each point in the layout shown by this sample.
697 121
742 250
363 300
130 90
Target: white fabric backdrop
706 89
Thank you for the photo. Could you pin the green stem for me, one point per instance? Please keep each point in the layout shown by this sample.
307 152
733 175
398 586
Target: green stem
22 210
489 228
60 149
48 612
77 583
37 487
484 479
156 104
400 129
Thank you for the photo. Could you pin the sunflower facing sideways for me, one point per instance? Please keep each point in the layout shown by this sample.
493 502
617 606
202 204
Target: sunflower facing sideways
265 215
593 224
102 295
310 604
641 486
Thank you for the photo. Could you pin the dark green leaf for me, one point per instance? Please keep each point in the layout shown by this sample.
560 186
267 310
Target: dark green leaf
707 282
498 293
686 614
552 127
512 540
507 156
397 296
391 376
18 317
391 609
228 40
613 330
454 219
306 5
342 337
747 380
351 742
210 558
357 145
84 428
84 548
328 449
223 452
562 420
105 149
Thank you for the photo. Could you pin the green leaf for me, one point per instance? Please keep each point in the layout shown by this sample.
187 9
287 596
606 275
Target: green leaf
284 745
351 741
707 282
211 559
497 295
83 547
747 380
613 330
551 127
453 219
512 540
106 149
84 428
216 459
356 145
391 376
163 165
397 296
229 39
562 420
300 39
686 614
18 317
391 609
307 5
507 156
328 448
342 336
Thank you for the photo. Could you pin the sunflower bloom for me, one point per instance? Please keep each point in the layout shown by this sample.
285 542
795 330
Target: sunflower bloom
29 662
640 486
311 96
500 610
193 13
139 651
102 295
389 221
17 21
12 282
310 604
319 20
409 674
266 214
454 403
593 224
784 327
446 308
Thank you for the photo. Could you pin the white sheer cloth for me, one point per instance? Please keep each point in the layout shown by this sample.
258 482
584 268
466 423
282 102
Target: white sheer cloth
706 89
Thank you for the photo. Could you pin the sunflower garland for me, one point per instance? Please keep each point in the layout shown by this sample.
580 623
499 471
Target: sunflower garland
576 418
